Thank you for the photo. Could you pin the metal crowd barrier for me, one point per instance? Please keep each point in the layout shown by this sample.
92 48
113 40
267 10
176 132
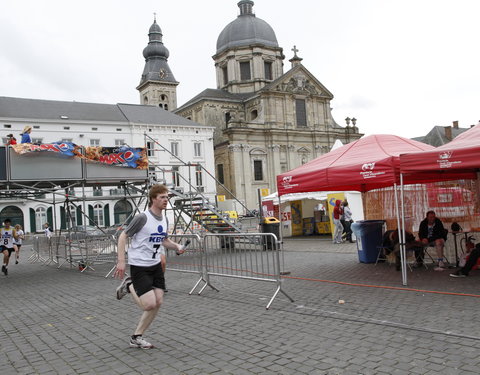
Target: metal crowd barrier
249 256
252 256
191 261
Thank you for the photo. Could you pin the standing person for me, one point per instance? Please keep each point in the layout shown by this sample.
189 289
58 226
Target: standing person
347 221
337 214
431 232
8 247
11 140
18 241
47 230
26 134
148 231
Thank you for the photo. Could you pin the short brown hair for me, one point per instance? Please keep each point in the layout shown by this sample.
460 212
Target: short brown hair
155 190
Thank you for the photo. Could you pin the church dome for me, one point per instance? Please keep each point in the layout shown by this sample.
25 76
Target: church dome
245 30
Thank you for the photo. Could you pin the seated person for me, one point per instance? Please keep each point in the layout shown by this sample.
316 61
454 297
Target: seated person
471 261
387 246
432 233
411 245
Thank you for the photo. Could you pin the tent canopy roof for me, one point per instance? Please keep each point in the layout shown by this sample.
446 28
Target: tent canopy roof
371 162
459 159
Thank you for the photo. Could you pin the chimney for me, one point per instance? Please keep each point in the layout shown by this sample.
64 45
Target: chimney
455 124
448 133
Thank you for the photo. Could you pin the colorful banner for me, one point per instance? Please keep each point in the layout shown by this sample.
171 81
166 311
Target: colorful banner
118 156
60 148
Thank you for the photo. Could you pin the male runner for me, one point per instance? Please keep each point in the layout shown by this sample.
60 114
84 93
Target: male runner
148 231
8 235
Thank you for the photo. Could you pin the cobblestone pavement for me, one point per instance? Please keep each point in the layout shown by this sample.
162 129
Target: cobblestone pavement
61 321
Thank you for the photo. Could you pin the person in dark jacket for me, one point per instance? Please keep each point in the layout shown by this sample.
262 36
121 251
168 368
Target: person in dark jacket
432 233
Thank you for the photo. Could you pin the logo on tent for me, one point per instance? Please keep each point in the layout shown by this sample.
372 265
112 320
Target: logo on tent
368 166
286 182
445 155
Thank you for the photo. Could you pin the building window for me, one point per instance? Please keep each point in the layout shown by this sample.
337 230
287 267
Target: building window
94 129
7 126
176 175
66 140
258 170
145 100
66 128
119 142
228 117
37 140
119 129
245 71
160 105
220 176
301 112
164 97
150 148
36 126
94 142
174 148
225 75
197 149
40 218
98 215
165 107
268 70
199 177
253 115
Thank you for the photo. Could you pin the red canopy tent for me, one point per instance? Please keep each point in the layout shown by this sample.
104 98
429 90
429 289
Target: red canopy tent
371 162
458 159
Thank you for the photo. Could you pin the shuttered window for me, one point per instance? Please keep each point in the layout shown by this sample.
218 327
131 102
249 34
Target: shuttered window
245 71
301 112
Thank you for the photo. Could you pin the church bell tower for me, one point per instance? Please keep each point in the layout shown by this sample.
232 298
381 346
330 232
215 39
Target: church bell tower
158 85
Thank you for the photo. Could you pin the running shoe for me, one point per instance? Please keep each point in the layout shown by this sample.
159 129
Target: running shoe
4 270
122 289
459 273
139 342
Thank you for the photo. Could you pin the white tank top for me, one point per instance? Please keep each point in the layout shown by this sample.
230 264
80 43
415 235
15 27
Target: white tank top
7 238
146 245
19 240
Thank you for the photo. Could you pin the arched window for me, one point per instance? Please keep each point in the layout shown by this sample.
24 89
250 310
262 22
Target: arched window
121 211
253 115
145 100
161 105
98 216
164 97
165 107
40 218
13 213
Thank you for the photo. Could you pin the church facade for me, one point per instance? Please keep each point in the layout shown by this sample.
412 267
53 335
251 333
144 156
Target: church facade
267 121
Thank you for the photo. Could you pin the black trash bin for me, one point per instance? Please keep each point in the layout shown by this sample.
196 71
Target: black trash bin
369 235
270 225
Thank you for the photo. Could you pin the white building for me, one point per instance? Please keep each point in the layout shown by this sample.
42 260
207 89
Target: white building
91 124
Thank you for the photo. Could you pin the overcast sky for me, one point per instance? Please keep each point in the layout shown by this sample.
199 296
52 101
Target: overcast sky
398 66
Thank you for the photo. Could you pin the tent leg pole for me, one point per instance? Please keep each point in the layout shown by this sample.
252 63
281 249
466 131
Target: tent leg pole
400 237
403 246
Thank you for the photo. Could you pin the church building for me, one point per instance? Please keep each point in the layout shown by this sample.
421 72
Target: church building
267 121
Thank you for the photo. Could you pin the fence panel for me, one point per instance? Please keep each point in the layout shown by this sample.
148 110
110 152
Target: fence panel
253 256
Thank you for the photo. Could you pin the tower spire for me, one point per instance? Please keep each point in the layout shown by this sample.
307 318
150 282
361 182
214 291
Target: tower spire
157 73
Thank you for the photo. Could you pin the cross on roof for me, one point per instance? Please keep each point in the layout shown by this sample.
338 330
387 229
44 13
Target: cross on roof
295 50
